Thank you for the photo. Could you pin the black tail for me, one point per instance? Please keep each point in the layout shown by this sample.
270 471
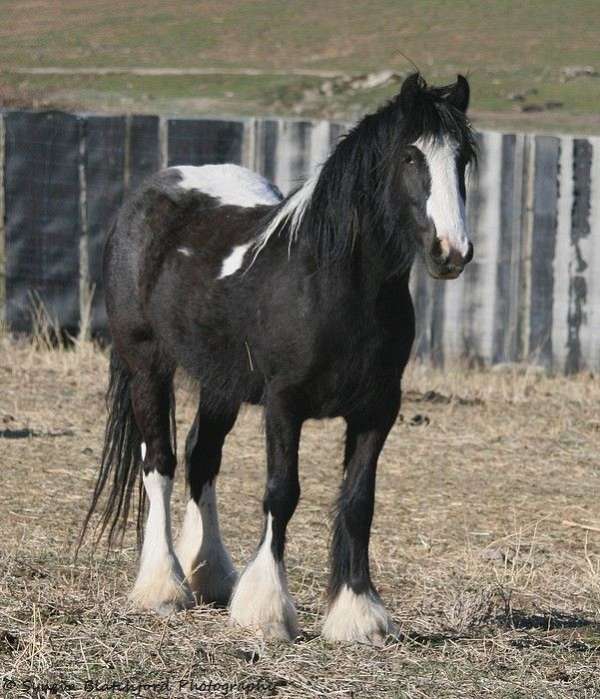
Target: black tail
121 460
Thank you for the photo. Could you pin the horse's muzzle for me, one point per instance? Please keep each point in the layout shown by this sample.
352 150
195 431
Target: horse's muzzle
441 265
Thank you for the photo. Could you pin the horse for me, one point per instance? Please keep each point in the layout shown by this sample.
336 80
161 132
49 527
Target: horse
300 304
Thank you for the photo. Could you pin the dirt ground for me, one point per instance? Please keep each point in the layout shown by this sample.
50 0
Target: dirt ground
486 546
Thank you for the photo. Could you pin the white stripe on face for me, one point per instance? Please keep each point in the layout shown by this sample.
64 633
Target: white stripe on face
445 206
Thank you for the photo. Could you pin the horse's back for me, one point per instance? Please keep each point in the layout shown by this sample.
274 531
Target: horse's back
232 185
186 228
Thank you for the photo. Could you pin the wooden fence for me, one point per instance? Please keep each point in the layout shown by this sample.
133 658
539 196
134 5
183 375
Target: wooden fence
532 292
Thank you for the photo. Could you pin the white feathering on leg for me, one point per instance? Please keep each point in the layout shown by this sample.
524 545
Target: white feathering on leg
261 599
160 583
204 559
358 618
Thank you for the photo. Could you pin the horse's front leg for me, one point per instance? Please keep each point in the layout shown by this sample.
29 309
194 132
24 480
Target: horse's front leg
356 612
261 599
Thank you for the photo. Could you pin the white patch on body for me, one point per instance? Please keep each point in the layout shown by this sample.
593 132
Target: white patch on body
261 599
143 451
358 618
187 252
160 584
234 260
204 559
445 206
231 184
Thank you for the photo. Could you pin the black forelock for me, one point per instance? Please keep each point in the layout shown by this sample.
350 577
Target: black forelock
431 115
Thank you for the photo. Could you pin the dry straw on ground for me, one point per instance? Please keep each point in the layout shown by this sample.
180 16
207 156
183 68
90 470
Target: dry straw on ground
485 546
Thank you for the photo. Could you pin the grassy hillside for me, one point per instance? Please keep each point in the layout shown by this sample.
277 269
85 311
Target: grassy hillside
506 47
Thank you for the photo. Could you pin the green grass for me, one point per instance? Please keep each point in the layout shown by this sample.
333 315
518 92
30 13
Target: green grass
504 46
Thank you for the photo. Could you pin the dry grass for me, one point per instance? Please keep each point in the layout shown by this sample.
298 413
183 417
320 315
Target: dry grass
496 593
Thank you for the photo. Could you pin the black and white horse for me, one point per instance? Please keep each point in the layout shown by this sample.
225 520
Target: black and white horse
300 304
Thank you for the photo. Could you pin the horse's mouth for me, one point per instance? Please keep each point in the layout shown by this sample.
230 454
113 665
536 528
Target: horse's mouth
446 273
442 269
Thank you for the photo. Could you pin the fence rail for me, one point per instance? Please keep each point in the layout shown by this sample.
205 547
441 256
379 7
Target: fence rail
532 292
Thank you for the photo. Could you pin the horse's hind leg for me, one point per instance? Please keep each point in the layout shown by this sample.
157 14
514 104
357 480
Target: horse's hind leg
204 559
160 583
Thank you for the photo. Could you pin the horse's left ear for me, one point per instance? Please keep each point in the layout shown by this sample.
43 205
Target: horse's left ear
459 95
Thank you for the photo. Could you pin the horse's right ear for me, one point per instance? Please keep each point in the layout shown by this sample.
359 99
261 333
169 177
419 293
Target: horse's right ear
459 95
410 92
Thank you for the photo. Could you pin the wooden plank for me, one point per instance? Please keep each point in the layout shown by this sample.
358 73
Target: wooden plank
292 165
479 276
563 260
580 256
320 145
422 296
505 330
144 148
264 147
437 289
591 343
104 163
204 141
547 150
336 131
42 216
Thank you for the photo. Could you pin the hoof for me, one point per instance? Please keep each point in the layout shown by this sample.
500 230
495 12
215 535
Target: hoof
276 622
204 559
359 618
213 581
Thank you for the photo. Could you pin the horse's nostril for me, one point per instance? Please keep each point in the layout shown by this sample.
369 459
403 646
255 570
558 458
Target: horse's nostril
437 251
469 255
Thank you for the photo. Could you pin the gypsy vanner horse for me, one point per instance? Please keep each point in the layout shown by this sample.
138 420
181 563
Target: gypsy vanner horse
298 303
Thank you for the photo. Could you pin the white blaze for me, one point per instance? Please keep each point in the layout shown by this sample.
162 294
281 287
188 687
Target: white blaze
445 206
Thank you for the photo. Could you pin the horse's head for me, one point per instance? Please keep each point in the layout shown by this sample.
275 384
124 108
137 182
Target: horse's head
435 148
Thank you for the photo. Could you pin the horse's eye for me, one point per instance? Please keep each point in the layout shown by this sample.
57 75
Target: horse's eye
408 159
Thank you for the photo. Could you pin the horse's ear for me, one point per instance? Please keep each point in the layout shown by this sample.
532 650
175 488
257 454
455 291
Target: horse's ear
410 92
459 95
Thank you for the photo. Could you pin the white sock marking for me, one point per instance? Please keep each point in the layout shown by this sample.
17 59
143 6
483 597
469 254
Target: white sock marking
232 184
357 618
204 559
143 451
234 260
445 206
261 598
159 584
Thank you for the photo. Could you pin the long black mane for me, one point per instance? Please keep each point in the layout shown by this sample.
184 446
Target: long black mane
349 193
